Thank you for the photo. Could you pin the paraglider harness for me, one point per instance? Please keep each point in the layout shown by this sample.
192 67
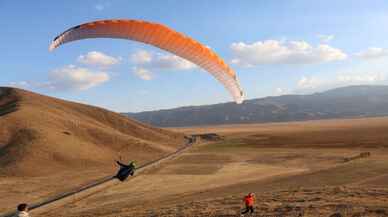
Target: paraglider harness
125 170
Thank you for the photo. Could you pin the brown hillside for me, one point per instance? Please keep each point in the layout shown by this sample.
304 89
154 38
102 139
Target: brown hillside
40 134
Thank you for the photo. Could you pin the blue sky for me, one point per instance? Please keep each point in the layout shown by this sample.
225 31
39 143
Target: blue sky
276 47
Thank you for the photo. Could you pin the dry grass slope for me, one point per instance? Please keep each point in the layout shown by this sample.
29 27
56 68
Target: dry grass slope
40 134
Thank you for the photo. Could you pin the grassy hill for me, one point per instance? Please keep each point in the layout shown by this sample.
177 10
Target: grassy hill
40 135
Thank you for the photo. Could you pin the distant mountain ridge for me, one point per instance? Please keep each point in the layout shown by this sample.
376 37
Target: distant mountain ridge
344 102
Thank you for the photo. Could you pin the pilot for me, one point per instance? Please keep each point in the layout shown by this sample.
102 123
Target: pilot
125 170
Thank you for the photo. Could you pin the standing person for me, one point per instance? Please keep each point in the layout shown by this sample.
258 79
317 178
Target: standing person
249 201
22 210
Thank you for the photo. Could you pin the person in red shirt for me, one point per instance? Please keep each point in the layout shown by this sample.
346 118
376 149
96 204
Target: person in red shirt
249 201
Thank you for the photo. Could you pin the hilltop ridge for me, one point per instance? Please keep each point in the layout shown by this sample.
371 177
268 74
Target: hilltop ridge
345 102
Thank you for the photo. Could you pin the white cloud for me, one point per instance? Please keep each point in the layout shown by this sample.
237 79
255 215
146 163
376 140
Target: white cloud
361 78
66 78
101 6
283 52
20 84
74 78
141 57
171 62
145 63
372 53
159 61
143 73
341 79
325 38
280 91
309 83
98 59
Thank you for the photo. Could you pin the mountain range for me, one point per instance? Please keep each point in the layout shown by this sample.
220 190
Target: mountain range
343 102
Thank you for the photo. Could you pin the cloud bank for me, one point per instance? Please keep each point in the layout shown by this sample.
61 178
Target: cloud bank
74 78
283 52
372 53
145 63
315 83
96 58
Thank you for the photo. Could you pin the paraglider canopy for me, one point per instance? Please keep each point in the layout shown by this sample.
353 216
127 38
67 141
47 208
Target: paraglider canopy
159 36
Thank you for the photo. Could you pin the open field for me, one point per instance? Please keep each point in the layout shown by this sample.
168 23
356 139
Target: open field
292 167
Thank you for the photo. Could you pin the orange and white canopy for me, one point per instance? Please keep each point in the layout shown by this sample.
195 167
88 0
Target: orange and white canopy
159 36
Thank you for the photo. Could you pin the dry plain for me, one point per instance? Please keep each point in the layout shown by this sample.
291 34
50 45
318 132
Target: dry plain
295 169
